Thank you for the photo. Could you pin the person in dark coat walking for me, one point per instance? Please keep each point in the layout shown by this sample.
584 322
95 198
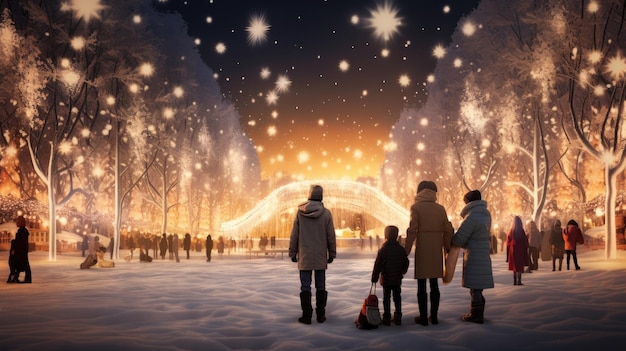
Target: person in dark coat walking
517 250
209 247
85 244
313 246
21 249
558 244
390 266
430 231
187 244
163 246
473 236
111 247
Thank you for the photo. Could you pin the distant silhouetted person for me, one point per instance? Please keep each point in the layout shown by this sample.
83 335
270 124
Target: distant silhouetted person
21 249
187 243
209 247
517 250
558 244
163 246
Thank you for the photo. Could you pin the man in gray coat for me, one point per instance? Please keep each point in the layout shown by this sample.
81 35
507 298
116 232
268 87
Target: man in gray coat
473 236
313 246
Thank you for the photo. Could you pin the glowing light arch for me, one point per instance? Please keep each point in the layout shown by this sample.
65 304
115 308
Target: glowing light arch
338 194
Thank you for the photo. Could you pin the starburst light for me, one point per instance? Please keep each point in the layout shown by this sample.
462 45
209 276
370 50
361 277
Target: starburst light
404 80
616 67
282 83
257 30
271 98
265 73
87 9
384 21
344 66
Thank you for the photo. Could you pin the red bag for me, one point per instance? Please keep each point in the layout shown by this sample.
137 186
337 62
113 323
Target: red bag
369 316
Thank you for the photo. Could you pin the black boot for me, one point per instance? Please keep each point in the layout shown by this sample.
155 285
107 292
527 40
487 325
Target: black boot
434 307
397 318
321 296
422 302
307 308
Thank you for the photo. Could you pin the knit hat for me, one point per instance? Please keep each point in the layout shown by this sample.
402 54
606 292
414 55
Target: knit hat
391 232
20 221
316 193
427 184
473 195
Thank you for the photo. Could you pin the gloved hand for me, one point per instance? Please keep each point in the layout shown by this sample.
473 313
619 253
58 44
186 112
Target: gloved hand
294 259
330 260
374 280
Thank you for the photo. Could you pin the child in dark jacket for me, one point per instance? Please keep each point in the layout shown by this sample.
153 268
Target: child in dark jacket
391 264
14 269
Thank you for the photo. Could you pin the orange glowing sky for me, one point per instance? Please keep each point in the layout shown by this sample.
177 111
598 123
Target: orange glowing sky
319 84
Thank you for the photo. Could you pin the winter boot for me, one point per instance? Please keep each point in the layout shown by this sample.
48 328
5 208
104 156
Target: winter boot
397 318
434 307
477 310
422 301
321 296
307 309
386 319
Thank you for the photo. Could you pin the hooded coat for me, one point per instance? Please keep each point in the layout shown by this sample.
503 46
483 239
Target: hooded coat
517 248
473 236
312 239
431 231
571 236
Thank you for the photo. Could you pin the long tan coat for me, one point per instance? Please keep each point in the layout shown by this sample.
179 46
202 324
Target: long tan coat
431 231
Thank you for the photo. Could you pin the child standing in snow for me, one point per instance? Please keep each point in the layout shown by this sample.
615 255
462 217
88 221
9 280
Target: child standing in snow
391 264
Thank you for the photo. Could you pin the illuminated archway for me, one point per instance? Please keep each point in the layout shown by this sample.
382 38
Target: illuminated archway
338 195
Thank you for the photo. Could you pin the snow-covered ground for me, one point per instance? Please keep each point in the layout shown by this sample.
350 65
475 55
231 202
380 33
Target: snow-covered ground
233 303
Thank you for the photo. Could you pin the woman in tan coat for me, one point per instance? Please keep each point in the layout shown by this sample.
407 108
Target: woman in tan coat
431 232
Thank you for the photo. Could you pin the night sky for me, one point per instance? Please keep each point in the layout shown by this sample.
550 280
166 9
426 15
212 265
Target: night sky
319 84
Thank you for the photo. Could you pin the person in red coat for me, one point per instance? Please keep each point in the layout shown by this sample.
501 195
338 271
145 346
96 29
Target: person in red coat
572 235
517 250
